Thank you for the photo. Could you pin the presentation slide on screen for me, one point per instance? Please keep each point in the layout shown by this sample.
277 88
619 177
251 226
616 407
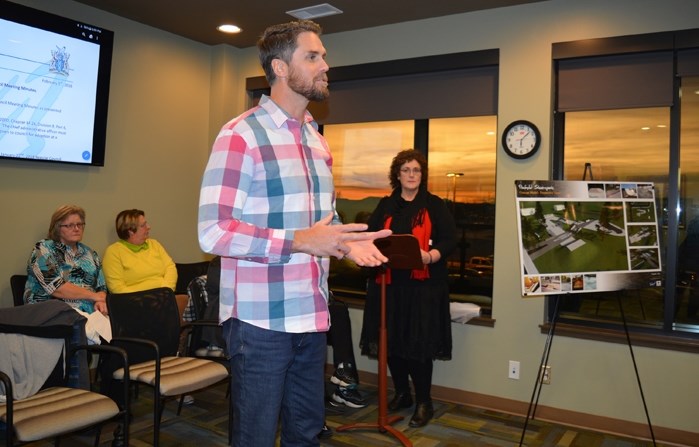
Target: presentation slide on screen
47 94
581 237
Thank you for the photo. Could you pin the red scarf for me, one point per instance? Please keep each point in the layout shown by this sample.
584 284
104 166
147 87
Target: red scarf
422 231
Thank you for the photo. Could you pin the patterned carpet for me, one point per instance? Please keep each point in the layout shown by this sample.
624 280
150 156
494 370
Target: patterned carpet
204 424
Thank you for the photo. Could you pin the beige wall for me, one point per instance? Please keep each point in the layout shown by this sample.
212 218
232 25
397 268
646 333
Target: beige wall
158 139
169 96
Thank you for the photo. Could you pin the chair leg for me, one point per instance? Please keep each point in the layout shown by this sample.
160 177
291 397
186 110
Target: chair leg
179 406
121 436
97 436
9 431
157 414
157 418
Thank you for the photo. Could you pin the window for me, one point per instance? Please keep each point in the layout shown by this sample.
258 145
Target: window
619 145
362 154
627 108
687 297
461 157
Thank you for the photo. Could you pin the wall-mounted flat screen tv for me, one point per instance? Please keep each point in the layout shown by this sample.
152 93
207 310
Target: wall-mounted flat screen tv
54 87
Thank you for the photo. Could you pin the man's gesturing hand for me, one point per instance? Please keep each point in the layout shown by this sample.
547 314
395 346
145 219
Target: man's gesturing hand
325 239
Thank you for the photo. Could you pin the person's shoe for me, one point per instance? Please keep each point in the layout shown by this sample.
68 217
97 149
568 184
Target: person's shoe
400 400
325 432
349 397
333 403
201 352
188 399
423 414
345 375
215 351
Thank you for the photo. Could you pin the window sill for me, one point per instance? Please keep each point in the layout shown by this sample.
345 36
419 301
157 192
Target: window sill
358 303
614 335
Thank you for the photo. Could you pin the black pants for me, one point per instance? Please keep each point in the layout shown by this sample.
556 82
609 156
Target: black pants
340 333
419 371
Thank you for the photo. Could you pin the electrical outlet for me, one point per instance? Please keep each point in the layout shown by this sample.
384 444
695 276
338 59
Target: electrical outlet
513 371
546 374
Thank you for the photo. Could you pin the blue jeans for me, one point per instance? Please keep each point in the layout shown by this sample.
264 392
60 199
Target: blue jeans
275 374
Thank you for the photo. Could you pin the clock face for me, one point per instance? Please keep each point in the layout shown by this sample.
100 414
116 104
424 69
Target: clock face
521 139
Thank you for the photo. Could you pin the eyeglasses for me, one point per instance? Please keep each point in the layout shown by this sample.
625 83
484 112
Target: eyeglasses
73 226
415 171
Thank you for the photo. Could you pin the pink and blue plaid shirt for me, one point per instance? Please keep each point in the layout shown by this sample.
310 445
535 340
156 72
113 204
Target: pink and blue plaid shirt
267 176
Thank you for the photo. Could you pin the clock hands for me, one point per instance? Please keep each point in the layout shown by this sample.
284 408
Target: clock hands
523 137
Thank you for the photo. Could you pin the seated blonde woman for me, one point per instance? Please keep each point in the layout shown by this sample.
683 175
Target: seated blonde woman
136 262
62 267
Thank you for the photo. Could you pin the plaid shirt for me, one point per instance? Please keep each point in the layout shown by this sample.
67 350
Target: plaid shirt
268 175
188 313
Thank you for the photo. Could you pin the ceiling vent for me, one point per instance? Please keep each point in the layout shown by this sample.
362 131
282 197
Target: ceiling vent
313 12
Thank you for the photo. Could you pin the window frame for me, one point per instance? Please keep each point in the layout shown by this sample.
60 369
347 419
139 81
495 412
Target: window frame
667 337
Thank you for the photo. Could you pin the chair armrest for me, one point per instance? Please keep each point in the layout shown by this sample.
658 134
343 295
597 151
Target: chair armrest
146 343
195 327
138 341
200 323
113 350
5 379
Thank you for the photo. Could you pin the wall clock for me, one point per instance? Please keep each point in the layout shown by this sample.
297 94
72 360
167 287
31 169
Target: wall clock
521 139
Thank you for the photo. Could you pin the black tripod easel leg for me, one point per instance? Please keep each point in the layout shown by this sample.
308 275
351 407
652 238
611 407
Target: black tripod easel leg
633 359
534 401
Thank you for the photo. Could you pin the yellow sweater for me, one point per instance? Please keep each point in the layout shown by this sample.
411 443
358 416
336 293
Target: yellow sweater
126 270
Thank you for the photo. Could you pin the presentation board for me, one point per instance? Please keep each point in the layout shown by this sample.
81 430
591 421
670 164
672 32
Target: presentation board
587 236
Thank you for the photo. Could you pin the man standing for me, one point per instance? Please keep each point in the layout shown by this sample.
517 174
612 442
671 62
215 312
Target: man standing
267 207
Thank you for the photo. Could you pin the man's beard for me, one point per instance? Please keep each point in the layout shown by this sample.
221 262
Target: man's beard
308 90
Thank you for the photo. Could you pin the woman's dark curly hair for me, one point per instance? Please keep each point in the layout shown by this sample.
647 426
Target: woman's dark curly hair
402 158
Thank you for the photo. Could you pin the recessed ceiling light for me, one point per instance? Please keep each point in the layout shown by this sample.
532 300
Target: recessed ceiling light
662 126
645 128
229 29
490 132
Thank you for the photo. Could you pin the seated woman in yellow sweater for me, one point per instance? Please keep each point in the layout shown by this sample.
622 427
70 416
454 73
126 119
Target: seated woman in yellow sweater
136 262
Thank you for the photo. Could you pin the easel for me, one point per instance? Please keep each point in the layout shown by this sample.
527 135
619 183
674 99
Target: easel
534 401
403 252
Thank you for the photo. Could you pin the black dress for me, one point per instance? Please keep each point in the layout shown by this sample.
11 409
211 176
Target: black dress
418 321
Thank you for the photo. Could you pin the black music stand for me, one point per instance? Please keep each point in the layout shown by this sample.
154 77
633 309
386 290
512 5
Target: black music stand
403 252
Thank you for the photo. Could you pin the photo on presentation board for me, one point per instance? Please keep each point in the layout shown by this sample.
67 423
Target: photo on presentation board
582 237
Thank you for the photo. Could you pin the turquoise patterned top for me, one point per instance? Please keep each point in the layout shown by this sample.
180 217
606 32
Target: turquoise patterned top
52 264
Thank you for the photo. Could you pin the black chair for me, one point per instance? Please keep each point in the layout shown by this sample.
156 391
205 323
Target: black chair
205 326
201 329
17 283
147 325
187 272
197 294
58 407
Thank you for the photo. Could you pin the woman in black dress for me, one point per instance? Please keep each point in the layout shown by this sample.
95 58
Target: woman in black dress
417 301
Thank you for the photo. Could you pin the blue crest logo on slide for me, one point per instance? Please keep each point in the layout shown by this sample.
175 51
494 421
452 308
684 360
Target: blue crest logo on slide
86 155
59 61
